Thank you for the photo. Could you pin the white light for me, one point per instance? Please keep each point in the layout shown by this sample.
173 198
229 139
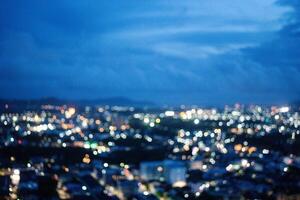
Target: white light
265 151
15 177
152 124
16 171
196 121
229 167
146 120
284 109
149 139
169 113
84 187
244 162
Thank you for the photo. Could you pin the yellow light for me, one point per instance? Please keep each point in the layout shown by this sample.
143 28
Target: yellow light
70 112
157 120
183 115
217 130
179 184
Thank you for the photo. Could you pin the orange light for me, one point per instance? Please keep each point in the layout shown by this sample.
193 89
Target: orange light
251 150
86 159
238 147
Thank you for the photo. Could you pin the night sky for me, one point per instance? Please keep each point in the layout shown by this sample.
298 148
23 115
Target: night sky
168 52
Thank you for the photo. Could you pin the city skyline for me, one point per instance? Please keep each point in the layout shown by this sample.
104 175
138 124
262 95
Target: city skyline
149 100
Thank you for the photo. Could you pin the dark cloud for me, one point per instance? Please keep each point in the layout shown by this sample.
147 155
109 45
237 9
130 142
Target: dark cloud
195 52
280 56
282 51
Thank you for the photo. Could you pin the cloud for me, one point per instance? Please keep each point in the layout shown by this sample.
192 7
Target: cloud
282 51
189 51
168 52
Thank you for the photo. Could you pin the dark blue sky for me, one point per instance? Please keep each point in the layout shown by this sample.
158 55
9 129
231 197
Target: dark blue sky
169 52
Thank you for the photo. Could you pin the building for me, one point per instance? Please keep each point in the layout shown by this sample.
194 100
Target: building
174 172
171 171
151 170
